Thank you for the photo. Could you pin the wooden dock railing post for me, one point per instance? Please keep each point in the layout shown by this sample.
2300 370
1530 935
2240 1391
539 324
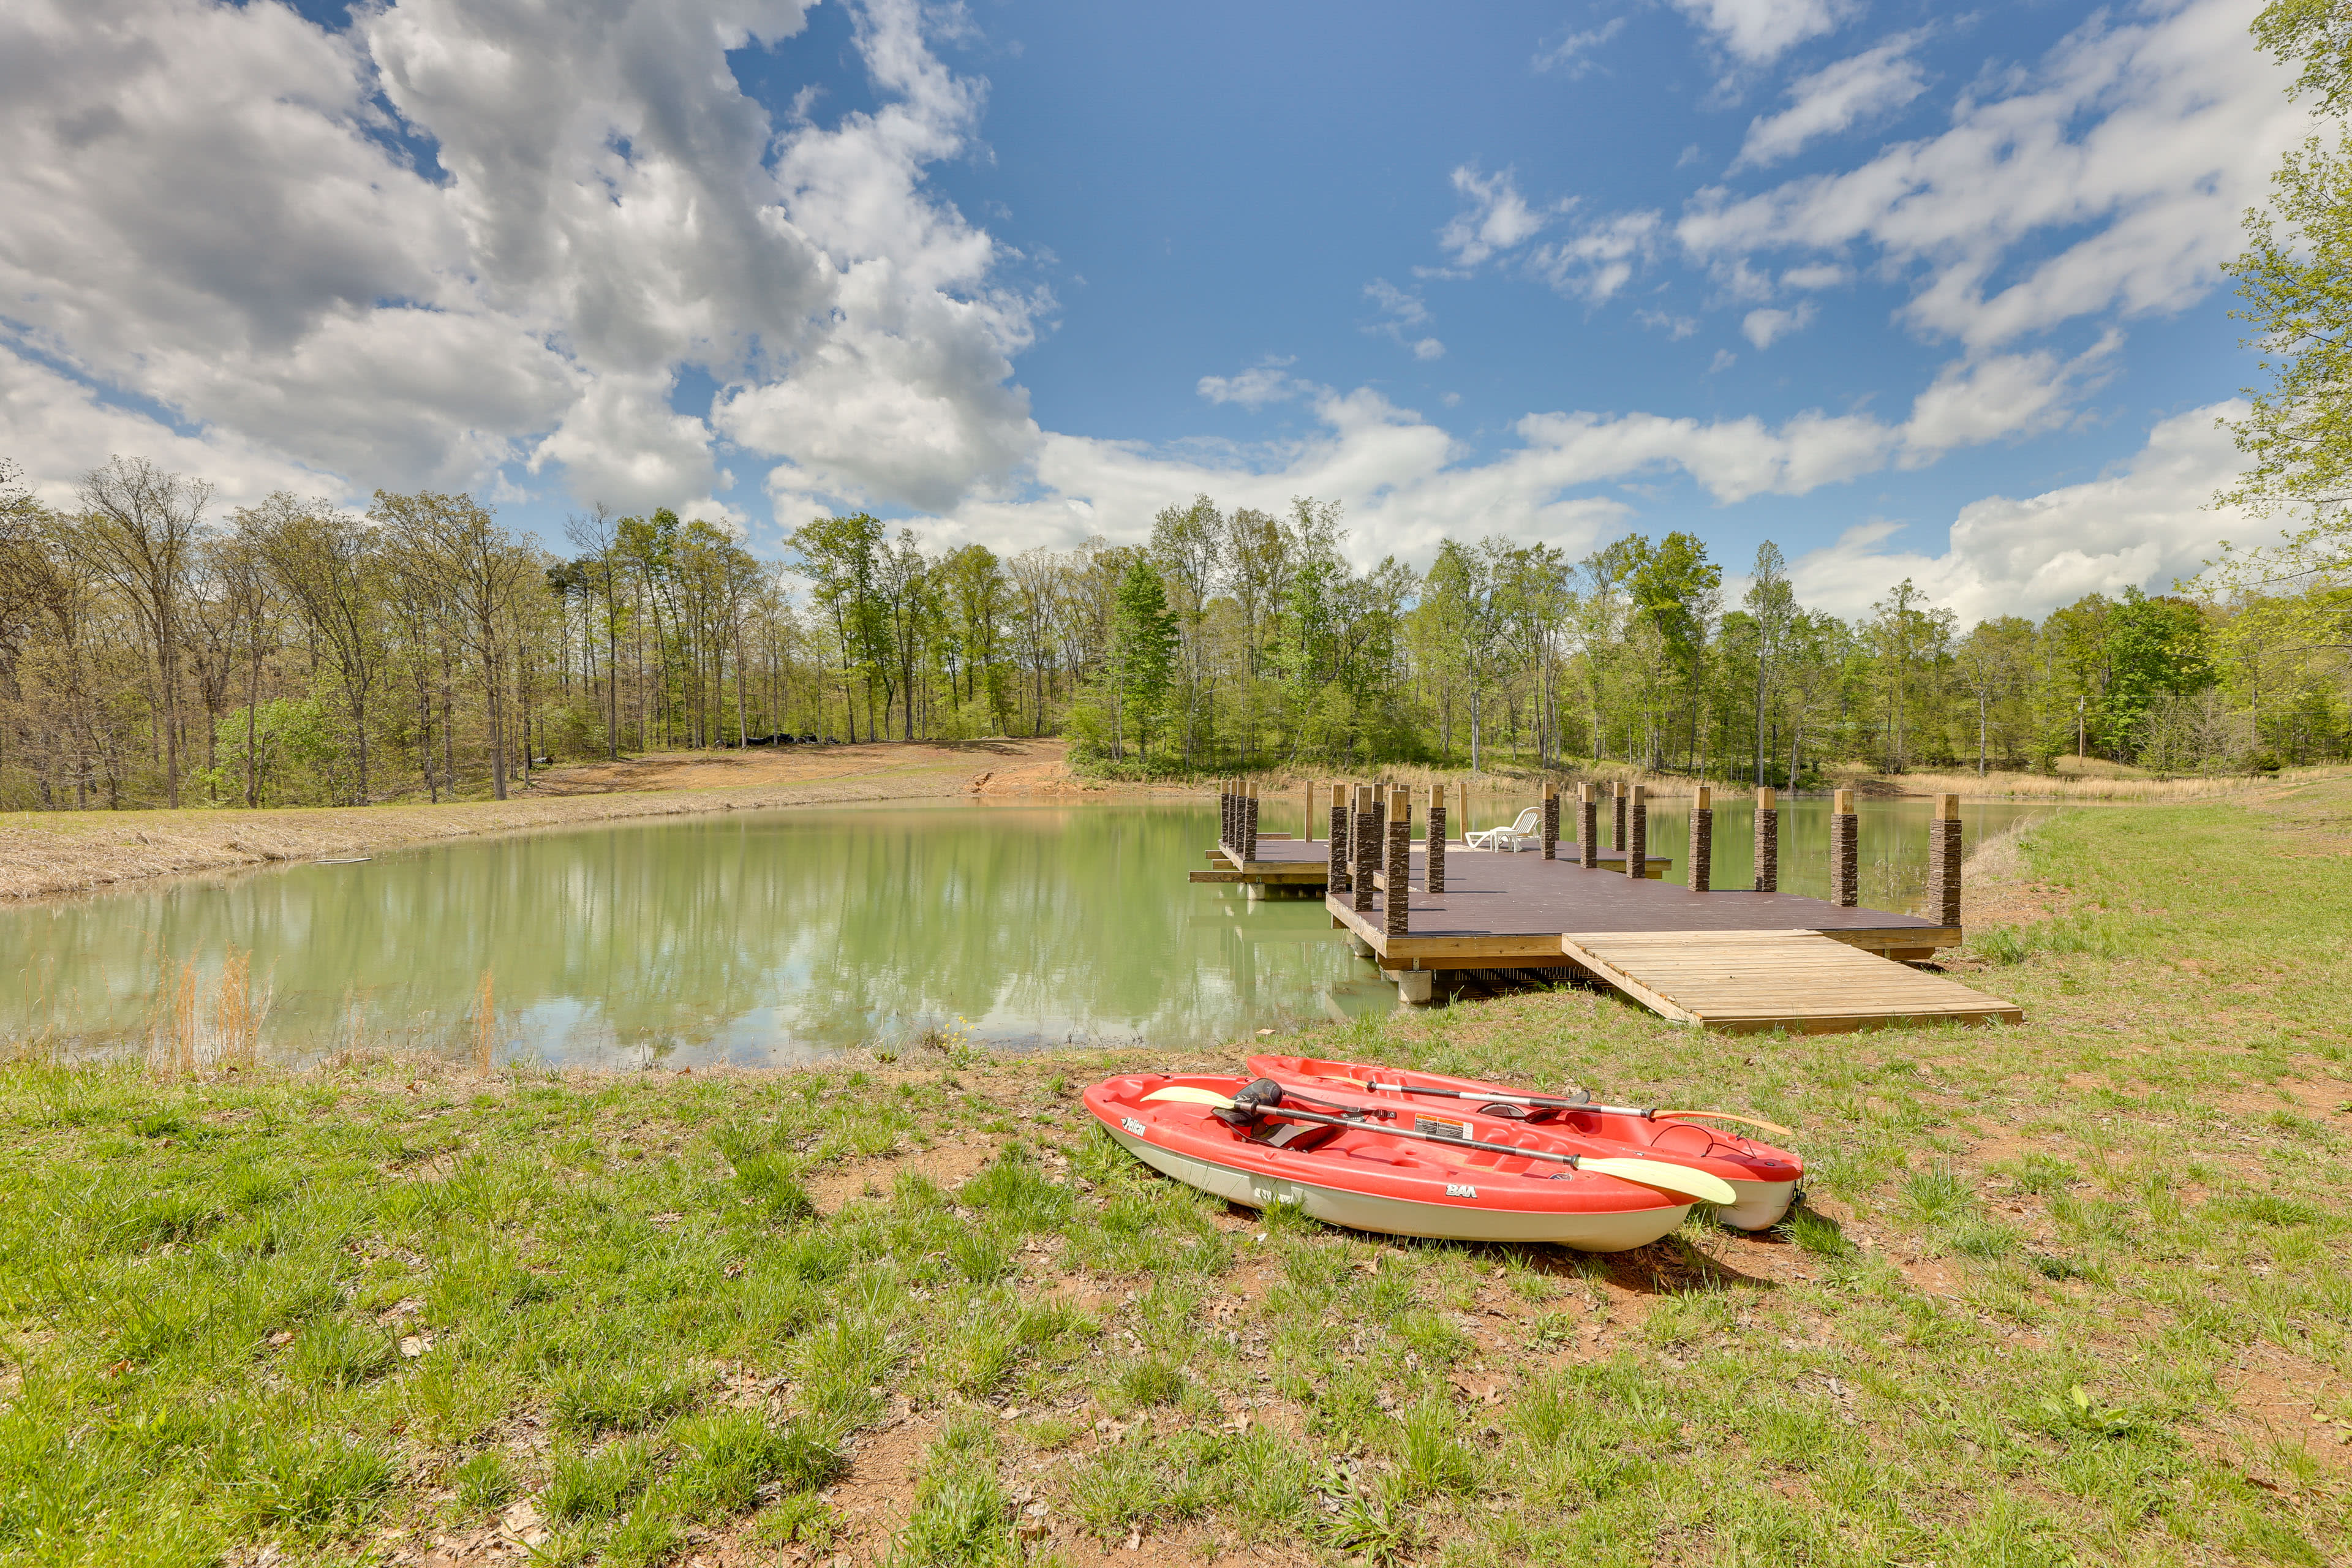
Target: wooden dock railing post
1249 823
1396 906
1224 813
1366 845
1588 828
1702 840
1306 824
1551 822
1461 797
1336 876
1434 876
1618 842
1768 839
1637 830
1845 851
1944 862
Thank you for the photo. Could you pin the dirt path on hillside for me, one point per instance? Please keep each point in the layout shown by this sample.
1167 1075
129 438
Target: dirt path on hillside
68 851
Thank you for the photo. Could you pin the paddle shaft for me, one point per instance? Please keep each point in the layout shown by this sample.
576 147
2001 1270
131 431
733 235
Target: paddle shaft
1548 1102
1572 1161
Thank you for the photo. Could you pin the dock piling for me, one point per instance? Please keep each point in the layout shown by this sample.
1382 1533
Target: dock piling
1588 827
1306 824
1768 839
1396 906
1637 830
1845 846
1249 823
1336 877
1702 840
1618 842
1944 862
1433 876
1462 795
1551 822
1366 846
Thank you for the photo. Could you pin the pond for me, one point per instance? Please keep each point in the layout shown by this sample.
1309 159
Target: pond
766 938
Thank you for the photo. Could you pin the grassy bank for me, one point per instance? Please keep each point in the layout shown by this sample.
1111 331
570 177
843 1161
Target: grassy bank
2067 1292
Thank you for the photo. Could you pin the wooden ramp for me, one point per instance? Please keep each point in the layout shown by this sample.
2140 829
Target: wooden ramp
1801 981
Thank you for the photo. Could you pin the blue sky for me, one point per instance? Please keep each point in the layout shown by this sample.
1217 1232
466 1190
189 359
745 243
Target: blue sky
1909 293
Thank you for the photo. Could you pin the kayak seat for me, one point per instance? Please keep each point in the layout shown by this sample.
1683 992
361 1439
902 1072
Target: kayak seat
1299 1135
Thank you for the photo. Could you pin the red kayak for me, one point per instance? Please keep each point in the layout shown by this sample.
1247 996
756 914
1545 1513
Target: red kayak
1763 1178
1375 1170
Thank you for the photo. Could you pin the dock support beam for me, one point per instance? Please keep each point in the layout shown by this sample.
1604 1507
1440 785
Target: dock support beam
1396 906
1944 862
1768 839
1588 828
1702 840
1433 876
1846 852
1551 822
1366 845
1637 831
1415 986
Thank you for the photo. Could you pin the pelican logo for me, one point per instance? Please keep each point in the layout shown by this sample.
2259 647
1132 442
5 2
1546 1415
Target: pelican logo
1132 1125
1453 1191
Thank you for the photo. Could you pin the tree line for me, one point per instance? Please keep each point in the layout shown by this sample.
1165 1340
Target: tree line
155 652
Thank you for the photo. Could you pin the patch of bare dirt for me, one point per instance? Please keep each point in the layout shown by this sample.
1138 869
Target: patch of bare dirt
949 1163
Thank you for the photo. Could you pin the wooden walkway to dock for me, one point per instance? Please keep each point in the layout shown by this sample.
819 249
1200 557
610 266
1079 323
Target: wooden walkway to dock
1730 960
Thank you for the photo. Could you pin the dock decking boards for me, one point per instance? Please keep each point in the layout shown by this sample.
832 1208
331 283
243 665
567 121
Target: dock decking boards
1728 960
1801 981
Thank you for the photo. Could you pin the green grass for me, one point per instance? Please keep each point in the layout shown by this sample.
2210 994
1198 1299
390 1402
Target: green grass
2073 1291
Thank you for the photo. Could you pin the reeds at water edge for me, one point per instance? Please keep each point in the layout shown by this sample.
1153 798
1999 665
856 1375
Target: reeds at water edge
189 1032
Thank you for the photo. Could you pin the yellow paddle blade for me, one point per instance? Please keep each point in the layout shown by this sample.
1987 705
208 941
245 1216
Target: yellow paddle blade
1191 1096
1677 1179
1727 1116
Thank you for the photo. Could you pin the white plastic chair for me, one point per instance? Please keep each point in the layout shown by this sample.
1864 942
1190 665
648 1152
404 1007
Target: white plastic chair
1520 835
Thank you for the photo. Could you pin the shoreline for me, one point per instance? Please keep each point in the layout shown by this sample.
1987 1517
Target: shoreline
54 853
58 853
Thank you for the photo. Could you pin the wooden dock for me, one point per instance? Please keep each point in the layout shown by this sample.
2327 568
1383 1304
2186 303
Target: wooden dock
1731 960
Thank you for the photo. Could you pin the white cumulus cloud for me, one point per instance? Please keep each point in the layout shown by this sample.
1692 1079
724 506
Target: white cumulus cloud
229 220
1836 98
1757 32
2144 524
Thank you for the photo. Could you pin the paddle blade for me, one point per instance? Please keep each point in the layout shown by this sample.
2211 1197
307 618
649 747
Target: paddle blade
1772 1127
1191 1096
1680 1180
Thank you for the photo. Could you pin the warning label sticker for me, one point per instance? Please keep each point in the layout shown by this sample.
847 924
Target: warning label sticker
1439 1127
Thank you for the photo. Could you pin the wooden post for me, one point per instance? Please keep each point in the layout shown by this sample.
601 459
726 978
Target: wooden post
1462 793
1588 827
1551 822
1944 862
1249 823
1433 876
1396 903
1619 842
1637 830
1845 851
1768 840
1224 813
1307 826
1367 850
1380 819
1702 840
1336 877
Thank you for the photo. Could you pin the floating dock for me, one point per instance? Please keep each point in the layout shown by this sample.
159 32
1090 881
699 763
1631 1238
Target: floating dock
1741 959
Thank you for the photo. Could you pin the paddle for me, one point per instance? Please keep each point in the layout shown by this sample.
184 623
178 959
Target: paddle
1647 1113
1679 1180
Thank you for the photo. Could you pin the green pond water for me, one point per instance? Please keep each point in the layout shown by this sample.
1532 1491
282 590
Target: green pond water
772 937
